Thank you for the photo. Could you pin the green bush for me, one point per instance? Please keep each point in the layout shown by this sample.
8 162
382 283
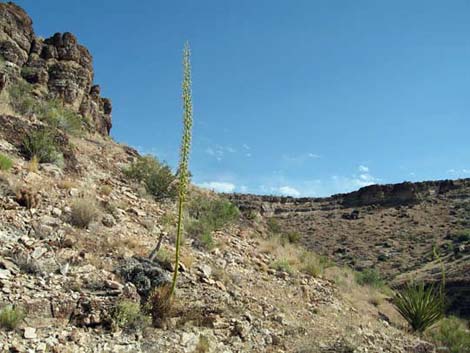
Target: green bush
370 277
206 216
10 317
5 162
128 316
293 237
22 100
156 177
51 111
58 116
420 306
462 236
214 213
282 265
41 144
273 226
453 334
207 241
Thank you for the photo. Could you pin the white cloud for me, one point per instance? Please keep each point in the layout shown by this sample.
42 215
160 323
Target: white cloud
459 172
363 168
248 155
313 155
243 189
218 186
245 146
217 152
289 191
300 158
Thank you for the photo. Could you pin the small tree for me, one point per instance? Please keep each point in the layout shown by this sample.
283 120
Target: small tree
183 172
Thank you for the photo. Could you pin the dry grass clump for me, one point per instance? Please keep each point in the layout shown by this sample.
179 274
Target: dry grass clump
290 257
203 345
33 164
26 197
106 190
66 184
84 211
160 305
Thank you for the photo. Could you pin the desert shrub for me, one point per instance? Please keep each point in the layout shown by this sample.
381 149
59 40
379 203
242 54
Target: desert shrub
10 317
127 315
420 306
207 241
41 143
84 211
58 116
282 265
453 335
160 305
312 264
165 259
106 190
251 215
273 226
462 236
206 216
5 162
370 277
155 175
51 111
293 237
21 98
215 213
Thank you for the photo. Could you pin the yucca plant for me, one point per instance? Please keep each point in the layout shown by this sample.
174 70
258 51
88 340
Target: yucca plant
421 306
183 170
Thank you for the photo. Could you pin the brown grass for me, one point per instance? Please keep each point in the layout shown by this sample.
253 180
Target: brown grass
160 305
84 211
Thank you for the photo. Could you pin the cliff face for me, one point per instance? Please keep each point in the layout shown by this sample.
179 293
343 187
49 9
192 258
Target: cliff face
389 195
59 66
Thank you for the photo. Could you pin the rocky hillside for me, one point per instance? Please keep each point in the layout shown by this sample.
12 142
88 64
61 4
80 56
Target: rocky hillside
76 231
393 228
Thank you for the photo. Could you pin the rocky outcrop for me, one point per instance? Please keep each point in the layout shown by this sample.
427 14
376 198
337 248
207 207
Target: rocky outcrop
396 194
388 195
59 66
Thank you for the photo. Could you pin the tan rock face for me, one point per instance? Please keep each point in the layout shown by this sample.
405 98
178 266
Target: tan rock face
59 65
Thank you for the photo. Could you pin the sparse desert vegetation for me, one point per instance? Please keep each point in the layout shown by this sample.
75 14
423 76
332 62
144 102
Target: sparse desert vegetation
107 250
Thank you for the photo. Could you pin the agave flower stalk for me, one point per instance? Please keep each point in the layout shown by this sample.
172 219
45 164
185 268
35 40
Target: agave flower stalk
183 169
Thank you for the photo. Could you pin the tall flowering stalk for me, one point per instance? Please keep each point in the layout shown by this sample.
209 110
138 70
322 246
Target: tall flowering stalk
184 155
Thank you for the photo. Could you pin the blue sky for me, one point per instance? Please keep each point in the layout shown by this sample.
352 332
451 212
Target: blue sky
304 97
